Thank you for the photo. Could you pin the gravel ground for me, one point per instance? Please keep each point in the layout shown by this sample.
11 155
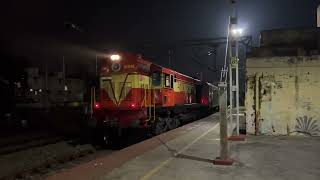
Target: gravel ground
39 162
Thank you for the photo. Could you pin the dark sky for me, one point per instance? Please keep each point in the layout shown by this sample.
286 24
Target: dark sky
36 29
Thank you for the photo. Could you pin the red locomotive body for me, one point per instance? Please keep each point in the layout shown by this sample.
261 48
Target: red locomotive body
135 93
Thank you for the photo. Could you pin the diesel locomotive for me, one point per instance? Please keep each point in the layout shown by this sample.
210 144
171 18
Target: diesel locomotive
134 93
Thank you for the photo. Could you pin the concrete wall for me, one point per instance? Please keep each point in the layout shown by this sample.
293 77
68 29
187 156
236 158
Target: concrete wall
283 95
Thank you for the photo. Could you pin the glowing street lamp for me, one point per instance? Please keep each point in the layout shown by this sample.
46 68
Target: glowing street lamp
237 32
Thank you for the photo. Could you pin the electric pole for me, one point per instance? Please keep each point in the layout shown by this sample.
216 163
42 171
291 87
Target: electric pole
232 41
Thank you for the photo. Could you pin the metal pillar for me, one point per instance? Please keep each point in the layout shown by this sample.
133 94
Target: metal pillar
223 97
231 86
234 68
232 54
223 159
237 88
223 121
234 87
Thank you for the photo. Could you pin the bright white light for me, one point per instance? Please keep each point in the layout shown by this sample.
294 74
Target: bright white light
237 32
115 57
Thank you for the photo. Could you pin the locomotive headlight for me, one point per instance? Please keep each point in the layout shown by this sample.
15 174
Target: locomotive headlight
115 57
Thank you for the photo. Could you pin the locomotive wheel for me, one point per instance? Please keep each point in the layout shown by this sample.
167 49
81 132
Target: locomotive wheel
103 139
160 126
172 123
106 140
112 141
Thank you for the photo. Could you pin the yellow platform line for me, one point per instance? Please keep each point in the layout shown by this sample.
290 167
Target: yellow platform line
153 171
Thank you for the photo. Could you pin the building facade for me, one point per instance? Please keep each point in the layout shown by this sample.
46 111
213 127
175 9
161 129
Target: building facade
283 89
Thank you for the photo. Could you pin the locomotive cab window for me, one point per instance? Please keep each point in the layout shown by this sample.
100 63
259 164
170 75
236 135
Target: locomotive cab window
156 78
167 79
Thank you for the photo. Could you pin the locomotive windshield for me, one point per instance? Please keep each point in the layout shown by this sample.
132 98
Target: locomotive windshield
156 78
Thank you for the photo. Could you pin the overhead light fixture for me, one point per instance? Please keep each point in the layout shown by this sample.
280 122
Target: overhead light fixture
237 32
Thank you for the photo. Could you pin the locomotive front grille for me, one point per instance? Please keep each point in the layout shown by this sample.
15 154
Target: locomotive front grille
112 122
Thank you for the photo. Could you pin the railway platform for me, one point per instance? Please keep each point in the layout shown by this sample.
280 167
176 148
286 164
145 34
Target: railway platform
188 152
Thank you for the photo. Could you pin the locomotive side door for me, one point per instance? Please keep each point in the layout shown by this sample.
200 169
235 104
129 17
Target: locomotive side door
168 90
156 87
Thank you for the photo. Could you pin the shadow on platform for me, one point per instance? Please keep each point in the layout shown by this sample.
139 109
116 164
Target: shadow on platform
183 156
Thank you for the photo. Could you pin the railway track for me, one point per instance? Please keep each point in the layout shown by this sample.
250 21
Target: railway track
35 155
25 141
38 157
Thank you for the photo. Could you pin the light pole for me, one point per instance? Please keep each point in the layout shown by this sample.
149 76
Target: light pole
235 35
231 54
234 68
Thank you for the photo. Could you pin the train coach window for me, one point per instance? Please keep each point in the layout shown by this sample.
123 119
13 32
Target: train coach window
171 80
156 78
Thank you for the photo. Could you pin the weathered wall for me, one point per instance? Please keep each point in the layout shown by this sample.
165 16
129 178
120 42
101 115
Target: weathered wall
283 95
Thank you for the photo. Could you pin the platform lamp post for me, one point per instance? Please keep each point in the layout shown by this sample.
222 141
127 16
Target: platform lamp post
224 158
234 82
235 34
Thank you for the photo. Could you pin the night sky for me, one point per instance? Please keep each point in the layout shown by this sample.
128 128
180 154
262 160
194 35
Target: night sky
39 30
